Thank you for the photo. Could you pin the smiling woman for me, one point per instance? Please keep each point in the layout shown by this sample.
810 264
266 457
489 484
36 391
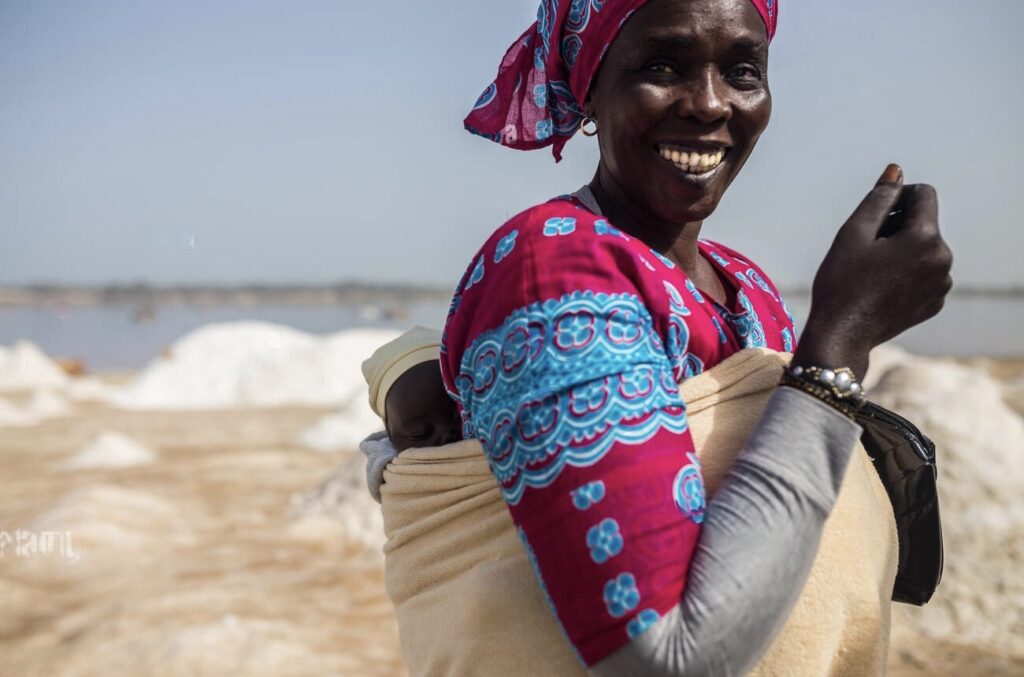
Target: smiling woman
578 319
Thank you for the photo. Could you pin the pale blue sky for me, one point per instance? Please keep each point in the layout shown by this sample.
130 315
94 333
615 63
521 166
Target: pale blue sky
314 141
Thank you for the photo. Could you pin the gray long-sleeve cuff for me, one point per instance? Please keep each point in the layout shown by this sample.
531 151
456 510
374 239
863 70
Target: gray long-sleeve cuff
759 539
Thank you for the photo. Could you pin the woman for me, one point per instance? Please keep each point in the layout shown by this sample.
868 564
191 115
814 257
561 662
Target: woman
577 318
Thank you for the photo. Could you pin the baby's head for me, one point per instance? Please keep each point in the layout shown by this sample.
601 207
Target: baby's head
406 391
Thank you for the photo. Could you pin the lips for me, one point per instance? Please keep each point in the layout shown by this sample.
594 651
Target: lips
695 161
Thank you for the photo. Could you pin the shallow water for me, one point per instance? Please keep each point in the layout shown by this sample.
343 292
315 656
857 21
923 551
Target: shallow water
109 337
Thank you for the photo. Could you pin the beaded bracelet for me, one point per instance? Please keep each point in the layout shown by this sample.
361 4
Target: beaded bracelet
841 382
844 405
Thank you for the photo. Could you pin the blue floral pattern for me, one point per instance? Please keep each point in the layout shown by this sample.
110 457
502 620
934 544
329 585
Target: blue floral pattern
477 275
746 324
604 540
723 338
664 259
688 490
540 96
505 246
544 129
487 97
641 623
742 277
787 340
755 276
564 225
722 261
587 371
694 292
588 495
602 227
675 299
788 314
621 595
576 22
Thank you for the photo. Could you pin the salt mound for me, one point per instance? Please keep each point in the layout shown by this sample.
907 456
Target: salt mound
254 364
343 430
25 367
13 416
110 450
980 449
43 405
85 389
48 404
343 496
883 358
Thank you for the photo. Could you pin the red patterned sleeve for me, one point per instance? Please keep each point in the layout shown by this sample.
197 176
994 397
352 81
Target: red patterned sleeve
559 351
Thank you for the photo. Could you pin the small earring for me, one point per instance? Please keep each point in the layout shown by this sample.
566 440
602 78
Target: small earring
583 126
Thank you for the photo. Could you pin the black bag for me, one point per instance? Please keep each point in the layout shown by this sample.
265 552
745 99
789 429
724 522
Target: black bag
905 461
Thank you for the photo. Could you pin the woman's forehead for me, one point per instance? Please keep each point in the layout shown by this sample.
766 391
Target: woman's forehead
684 23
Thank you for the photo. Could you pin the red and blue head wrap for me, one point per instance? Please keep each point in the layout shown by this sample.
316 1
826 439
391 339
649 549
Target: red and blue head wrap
537 98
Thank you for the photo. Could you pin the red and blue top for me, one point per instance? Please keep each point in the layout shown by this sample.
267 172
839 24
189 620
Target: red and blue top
564 346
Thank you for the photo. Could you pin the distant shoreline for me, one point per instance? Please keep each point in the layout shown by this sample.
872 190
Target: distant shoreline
344 293
213 295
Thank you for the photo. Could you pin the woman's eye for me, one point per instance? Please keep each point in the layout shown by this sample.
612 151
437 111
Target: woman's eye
745 72
659 67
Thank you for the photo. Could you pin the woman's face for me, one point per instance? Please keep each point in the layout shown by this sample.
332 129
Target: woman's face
680 101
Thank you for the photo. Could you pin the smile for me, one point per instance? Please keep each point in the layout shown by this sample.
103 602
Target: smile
690 160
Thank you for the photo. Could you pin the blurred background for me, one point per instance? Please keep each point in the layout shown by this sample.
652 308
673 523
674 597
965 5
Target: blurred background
211 212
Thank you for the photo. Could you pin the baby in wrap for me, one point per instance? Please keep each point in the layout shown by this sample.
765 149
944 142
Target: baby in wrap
450 538
406 391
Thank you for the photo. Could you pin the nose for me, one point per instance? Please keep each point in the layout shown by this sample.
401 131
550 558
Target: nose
704 100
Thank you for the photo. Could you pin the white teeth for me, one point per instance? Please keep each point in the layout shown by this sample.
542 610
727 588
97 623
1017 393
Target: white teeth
691 161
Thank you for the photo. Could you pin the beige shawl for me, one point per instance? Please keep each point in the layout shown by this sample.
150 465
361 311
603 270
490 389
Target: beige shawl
468 602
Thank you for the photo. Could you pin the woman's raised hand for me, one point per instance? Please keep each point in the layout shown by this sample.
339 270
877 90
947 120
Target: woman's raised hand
887 271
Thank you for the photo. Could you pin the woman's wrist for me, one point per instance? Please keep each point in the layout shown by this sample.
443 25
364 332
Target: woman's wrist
822 345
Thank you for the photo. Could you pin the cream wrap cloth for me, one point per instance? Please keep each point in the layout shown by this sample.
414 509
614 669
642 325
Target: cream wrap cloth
468 602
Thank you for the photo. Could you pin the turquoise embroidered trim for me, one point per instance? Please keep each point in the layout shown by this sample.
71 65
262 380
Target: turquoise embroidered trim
561 381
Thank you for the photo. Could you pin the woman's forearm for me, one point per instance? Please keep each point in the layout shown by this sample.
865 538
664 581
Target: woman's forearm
759 540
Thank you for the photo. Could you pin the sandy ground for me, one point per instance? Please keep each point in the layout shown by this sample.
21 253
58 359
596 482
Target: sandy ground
190 565
195 564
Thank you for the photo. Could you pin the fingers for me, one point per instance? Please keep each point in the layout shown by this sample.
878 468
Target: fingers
873 210
920 206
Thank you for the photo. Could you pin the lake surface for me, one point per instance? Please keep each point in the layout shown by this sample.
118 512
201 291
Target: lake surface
115 337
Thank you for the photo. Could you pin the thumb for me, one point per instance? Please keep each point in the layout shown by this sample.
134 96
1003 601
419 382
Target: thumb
875 208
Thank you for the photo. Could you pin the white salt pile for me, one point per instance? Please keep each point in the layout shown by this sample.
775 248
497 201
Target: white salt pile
85 389
344 429
254 364
42 405
343 496
25 367
13 416
980 449
110 450
48 404
884 358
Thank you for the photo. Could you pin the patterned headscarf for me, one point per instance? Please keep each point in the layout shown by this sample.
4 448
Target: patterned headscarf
537 98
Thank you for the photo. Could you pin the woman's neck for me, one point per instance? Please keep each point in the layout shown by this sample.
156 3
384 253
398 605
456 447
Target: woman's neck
676 241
